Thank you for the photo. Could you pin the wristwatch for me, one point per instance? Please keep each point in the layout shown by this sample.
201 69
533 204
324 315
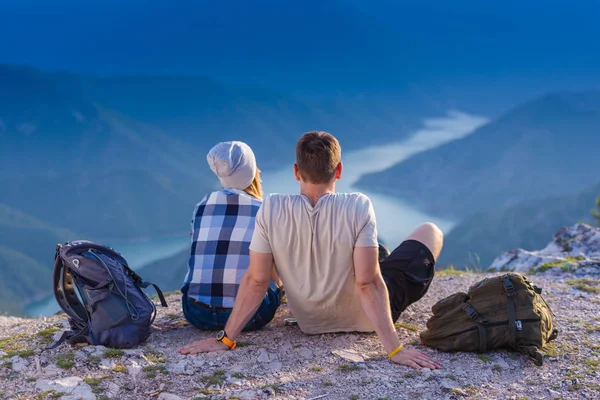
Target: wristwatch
222 337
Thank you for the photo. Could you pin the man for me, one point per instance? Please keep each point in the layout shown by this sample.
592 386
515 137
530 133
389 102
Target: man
324 247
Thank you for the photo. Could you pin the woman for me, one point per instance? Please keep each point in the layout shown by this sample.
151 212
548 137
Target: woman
222 227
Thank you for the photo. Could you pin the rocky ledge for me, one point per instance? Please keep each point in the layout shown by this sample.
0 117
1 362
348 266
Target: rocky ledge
279 362
574 249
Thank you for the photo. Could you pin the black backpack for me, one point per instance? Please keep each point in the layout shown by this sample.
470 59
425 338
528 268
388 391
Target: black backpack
102 296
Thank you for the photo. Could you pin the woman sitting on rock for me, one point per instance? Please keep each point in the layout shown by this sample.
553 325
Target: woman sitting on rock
222 228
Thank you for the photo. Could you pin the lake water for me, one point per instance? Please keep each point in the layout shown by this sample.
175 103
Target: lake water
395 219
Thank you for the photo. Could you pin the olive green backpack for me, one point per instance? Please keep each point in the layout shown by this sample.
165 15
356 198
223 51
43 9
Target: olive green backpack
505 311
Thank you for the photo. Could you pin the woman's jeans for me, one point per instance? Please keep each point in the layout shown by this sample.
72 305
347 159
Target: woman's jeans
208 318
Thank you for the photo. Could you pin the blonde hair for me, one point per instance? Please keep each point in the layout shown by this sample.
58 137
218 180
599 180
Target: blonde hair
255 188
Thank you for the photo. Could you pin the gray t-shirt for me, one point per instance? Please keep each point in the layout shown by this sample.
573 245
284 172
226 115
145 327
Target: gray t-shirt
313 252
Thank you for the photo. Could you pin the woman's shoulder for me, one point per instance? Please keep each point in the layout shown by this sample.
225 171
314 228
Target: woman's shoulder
225 196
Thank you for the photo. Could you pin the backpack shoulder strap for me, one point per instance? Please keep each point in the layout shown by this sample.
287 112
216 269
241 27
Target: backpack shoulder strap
159 292
511 295
65 293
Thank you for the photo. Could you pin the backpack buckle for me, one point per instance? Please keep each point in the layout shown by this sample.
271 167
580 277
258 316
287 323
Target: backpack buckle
471 312
508 286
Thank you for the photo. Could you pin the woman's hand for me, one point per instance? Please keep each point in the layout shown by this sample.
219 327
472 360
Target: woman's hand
415 359
203 346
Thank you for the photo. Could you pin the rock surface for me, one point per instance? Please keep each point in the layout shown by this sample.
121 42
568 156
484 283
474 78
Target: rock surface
72 388
280 362
574 249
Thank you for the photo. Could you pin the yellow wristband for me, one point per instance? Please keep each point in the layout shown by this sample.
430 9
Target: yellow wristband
393 353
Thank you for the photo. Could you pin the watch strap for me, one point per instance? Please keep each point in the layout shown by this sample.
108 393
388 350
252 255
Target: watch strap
225 340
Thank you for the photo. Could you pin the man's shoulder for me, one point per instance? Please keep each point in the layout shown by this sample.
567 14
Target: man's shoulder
281 198
352 198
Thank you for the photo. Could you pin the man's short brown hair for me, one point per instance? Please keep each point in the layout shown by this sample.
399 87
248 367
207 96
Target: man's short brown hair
317 156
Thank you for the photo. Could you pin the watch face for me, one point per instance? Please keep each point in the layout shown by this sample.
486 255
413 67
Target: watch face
220 335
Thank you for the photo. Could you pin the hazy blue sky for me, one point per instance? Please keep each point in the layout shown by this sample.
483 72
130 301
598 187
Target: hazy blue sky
310 44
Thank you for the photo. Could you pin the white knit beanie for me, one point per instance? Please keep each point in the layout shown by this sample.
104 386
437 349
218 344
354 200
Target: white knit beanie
233 163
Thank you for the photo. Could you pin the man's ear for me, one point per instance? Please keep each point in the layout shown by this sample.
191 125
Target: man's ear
296 172
338 171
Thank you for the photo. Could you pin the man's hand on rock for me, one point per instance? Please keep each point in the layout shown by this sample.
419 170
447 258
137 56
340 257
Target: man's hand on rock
203 346
415 359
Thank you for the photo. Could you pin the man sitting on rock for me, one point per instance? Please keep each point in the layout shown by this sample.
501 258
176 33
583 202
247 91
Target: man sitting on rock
324 247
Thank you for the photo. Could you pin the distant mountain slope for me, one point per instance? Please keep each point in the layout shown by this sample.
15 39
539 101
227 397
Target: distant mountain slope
28 235
476 241
46 114
26 258
124 204
23 280
547 147
167 273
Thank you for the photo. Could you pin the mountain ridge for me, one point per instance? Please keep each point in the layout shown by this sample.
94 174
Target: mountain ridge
486 169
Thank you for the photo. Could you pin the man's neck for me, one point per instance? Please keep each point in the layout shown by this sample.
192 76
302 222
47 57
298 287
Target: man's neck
314 191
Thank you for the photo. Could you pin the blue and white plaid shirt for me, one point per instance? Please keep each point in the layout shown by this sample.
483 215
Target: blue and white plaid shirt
222 227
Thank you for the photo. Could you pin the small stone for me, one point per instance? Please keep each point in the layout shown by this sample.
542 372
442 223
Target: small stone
161 387
134 352
134 368
199 362
448 384
73 388
553 393
349 355
18 363
51 370
81 355
168 396
235 381
263 355
286 346
275 366
95 350
575 381
425 370
248 395
305 353
502 363
269 391
113 390
181 368
106 364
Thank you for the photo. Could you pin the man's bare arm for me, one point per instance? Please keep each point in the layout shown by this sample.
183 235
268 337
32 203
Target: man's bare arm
374 296
375 301
252 290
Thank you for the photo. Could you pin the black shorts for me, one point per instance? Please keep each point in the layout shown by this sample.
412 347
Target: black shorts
407 273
